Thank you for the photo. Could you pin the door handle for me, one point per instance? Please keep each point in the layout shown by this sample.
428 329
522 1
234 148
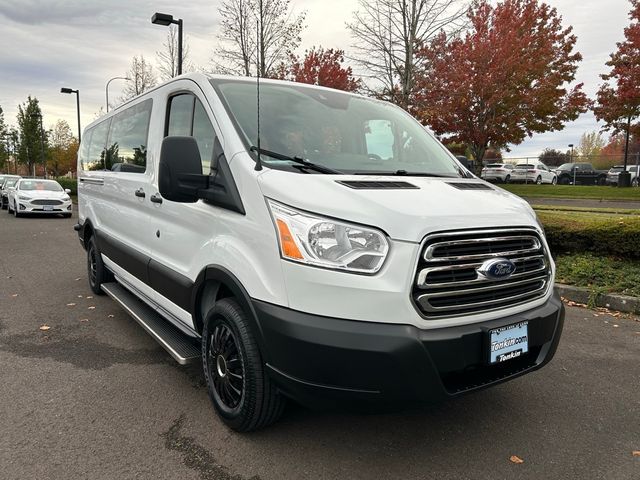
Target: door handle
156 198
139 193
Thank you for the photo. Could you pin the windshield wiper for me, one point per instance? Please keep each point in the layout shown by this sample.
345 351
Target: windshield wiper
296 159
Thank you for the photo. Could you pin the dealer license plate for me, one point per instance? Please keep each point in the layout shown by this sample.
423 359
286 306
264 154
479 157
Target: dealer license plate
48 207
506 343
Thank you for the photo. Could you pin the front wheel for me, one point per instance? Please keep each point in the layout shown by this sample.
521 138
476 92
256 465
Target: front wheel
634 183
241 391
16 213
554 180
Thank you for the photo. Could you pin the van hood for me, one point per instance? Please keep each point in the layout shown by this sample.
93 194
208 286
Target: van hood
404 214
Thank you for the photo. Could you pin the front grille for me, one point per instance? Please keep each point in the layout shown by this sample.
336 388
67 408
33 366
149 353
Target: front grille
46 202
448 283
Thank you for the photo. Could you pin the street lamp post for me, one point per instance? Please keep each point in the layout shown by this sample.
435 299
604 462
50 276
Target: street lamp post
106 88
42 158
77 92
166 20
571 161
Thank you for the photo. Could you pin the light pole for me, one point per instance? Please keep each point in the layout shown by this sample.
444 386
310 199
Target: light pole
77 92
166 20
42 159
571 161
106 88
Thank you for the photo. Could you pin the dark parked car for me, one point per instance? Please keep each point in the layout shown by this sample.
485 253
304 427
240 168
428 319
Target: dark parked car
580 173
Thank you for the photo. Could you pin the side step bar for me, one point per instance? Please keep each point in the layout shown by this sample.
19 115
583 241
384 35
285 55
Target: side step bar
182 348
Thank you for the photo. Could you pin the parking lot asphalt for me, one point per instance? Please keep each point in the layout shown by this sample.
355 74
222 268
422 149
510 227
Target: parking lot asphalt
94 397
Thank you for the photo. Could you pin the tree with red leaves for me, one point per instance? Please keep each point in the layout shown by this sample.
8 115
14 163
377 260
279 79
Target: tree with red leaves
320 67
504 80
618 106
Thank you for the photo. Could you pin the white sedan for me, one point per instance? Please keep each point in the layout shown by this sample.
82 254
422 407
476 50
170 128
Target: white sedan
31 195
533 173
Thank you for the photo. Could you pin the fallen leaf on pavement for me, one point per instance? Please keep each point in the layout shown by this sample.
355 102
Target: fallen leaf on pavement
615 326
77 279
516 459
14 295
71 304
79 296
111 316
92 308
44 328
636 453
84 319
89 296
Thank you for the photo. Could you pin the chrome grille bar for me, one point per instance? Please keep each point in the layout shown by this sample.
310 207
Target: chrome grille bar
423 274
448 284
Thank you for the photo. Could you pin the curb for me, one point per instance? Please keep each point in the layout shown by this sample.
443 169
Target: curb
621 303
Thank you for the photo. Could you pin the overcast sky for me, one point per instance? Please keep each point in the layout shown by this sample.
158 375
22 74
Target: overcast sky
49 44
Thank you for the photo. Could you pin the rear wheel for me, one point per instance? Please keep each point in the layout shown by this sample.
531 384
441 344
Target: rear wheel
539 180
634 183
96 270
241 391
507 179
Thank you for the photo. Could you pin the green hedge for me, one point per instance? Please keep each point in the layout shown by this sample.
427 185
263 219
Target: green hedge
70 183
602 234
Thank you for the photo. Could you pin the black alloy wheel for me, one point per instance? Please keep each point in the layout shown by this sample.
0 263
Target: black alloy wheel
226 366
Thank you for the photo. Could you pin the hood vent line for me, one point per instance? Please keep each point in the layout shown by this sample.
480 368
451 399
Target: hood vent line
470 186
377 185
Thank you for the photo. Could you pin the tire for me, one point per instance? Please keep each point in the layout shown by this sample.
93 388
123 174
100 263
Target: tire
554 180
244 396
564 180
15 211
66 215
9 209
507 179
97 272
634 182
539 180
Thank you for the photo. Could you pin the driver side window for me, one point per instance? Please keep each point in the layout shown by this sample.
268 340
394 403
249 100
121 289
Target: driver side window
186 116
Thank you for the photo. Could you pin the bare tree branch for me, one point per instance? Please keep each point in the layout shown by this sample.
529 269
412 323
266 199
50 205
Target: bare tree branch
386 34
279 33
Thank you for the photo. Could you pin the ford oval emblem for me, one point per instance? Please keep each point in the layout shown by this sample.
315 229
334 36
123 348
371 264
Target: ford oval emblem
497 268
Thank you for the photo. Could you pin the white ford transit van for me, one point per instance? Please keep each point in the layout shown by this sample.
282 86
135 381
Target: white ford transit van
344 258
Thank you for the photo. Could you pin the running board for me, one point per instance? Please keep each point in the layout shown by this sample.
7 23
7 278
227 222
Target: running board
182 348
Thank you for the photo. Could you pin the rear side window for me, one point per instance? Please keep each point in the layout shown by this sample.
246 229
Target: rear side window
92 152
187 117
127 146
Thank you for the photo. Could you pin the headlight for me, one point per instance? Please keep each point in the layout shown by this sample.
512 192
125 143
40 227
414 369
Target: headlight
65 198
22 197
328 243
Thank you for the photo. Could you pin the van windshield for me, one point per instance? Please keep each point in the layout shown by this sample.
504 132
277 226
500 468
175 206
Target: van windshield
338 130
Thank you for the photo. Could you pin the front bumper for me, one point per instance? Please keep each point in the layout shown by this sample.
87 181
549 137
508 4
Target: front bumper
324 362
28 207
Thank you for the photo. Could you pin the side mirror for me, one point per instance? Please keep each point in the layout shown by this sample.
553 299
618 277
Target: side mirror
67 191
180 172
